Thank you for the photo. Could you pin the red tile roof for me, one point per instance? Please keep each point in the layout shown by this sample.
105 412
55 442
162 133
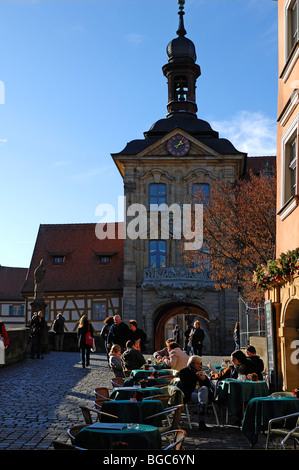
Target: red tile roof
256 164
81 270
11 282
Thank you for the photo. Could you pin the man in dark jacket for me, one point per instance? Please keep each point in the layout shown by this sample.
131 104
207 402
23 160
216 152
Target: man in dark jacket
198 335
257 362
119 333
137 334
190 376
132 358
58 328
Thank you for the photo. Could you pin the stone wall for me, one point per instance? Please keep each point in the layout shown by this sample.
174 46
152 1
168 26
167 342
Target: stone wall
20 344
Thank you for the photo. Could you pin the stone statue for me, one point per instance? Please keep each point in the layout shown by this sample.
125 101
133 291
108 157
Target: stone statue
39 281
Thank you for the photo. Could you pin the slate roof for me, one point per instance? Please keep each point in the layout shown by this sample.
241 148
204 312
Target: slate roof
198 128
81 270
11 282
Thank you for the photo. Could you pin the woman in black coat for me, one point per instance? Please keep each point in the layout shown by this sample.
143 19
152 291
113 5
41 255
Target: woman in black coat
84 327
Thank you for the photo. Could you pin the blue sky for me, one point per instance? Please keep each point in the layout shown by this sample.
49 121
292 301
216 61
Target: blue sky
81 78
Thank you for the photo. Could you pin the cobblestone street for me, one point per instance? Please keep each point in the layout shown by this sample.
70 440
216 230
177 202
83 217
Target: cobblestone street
40 399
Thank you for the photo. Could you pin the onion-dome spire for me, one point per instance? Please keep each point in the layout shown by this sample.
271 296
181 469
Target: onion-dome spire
181 31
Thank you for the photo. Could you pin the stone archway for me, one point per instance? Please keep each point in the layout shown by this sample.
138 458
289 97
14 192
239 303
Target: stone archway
289 333
170 310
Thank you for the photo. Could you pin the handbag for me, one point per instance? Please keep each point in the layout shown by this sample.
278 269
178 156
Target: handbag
88 339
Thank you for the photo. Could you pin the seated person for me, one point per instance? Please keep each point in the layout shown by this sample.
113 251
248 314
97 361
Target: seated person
240 365
191 377
132 357
115 361
176 359
163 352
257 362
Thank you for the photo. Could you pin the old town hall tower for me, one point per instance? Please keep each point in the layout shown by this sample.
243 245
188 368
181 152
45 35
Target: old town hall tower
177 154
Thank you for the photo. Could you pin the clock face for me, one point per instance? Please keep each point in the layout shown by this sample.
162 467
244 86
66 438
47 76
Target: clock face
178 145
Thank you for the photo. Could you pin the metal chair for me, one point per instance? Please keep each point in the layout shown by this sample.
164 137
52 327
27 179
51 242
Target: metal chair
59 445
163 398
117 381
285 430
293 434
178 438
172 416
101 392
86 411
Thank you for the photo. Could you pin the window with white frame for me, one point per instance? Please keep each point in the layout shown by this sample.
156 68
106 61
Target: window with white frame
289 181
291 25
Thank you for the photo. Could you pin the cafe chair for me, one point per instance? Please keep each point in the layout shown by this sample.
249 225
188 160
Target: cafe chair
59 445
127 372
194 406
172 415
86 411
274 432
101 392
73 431
163 398
117 381
176 437
293 434
98 402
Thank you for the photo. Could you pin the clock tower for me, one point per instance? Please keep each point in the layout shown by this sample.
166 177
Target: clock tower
178 154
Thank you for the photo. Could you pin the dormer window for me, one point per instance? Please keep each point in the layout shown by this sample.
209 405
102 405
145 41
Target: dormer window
105 259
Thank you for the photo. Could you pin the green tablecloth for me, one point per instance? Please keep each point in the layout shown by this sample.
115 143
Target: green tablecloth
125 393
260 410
134 412
93 437
234 393
151 381
142 374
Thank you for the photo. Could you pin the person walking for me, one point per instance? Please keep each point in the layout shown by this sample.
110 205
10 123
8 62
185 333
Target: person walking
108 322
58 328
198 335
236 336
84 328
119 333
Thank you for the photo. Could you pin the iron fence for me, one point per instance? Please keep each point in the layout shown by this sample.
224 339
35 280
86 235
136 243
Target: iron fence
252 322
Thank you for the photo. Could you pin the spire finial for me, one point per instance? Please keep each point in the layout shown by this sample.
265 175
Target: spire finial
181 31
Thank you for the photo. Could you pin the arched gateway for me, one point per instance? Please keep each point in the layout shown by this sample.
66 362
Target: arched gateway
182 315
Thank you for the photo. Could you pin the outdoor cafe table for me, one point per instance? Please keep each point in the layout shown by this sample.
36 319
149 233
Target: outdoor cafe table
125 393
150 381
134 411
103 435
233 393
143 374
261 409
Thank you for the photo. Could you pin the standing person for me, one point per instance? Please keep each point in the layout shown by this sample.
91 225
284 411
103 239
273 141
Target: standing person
119 333
176 334
38 326
84 327
191 377
3 334
197 338
137 334
187 334
236 335
58 328
104 332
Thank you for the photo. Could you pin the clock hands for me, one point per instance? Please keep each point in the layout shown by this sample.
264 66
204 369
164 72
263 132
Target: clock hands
179 144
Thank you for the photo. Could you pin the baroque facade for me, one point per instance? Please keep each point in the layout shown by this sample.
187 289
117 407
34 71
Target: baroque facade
177 155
